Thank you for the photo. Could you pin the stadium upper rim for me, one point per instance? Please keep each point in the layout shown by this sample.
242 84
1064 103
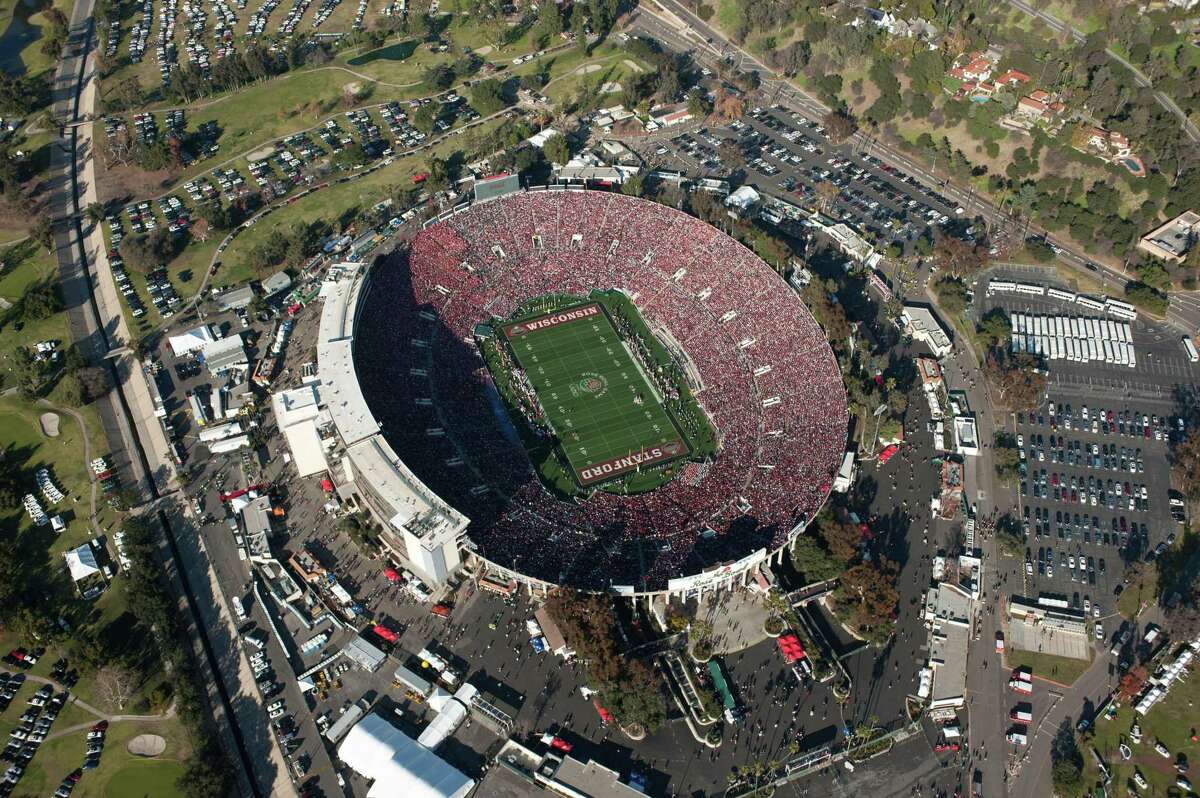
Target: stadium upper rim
768 377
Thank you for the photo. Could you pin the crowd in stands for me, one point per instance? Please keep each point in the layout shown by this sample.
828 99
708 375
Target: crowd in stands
768 380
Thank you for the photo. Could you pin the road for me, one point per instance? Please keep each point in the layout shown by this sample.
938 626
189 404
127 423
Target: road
136 441
676 27
1055 24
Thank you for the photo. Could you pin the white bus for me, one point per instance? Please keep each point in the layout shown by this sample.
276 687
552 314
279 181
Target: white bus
1190 348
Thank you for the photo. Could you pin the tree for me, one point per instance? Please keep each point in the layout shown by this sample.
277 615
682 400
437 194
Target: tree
727 105
94 212
1010 536
868 592
350 156
40 301
115 686
995 329
957 257
810 559
424 118
1185 464
827 194
147 252
951 294
1132 682
841 539
556 149
839 125
1146 298
42 231
439 77
487 96
633 186
1006 460
1017 378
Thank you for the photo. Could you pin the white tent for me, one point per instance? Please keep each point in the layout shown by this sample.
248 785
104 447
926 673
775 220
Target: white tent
397 765
190 341
81 562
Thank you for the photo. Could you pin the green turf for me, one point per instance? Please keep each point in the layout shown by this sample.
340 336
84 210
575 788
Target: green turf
595 397
1063 670
145 777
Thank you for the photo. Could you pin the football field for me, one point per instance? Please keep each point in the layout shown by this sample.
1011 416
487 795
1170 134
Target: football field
604 413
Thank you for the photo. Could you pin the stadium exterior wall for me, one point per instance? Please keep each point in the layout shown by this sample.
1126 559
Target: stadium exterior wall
719 577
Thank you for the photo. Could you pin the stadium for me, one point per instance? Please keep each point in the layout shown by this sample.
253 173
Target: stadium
584 388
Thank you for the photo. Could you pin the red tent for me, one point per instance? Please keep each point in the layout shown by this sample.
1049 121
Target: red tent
789 646
392 574
326 485
385 633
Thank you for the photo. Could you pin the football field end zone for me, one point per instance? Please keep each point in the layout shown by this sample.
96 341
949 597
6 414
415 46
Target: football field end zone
555 319
590 474
617 466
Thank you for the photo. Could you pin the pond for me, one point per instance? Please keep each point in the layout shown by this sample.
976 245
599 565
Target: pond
19 34
393 52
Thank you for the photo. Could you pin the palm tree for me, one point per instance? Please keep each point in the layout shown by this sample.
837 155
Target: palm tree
94 212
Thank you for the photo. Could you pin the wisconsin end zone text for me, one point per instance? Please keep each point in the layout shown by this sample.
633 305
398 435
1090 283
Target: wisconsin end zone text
551 320
599 472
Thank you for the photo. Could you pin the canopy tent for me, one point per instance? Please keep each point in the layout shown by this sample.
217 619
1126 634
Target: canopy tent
396 764
81 562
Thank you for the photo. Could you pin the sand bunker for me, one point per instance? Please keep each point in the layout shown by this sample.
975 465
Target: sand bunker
49 422
147 745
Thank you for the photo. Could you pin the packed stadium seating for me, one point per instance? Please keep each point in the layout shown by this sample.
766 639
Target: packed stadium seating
781 432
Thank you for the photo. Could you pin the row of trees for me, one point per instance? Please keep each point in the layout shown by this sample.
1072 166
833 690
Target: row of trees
866 597
156 611
626 687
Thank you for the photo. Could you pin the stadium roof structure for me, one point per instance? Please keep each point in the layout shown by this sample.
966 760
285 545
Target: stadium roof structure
396 764
422 426
489 188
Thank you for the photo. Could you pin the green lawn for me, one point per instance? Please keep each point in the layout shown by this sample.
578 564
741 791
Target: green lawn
328 203
1138 592
147 777
22 439
1170 721
21 33
595 397
1046 666
120 773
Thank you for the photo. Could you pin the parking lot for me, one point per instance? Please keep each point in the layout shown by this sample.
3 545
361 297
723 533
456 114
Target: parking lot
1162 368
1093 494
786 154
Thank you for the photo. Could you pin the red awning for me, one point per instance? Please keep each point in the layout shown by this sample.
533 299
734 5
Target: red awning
392 574
326 485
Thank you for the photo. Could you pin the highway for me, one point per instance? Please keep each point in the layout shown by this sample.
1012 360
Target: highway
136 442
676 27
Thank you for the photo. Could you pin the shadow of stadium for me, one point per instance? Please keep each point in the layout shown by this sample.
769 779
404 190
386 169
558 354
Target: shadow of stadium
452 439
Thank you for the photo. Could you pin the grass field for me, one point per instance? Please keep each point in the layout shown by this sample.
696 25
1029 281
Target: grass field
1170 721
1047 666
594 395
